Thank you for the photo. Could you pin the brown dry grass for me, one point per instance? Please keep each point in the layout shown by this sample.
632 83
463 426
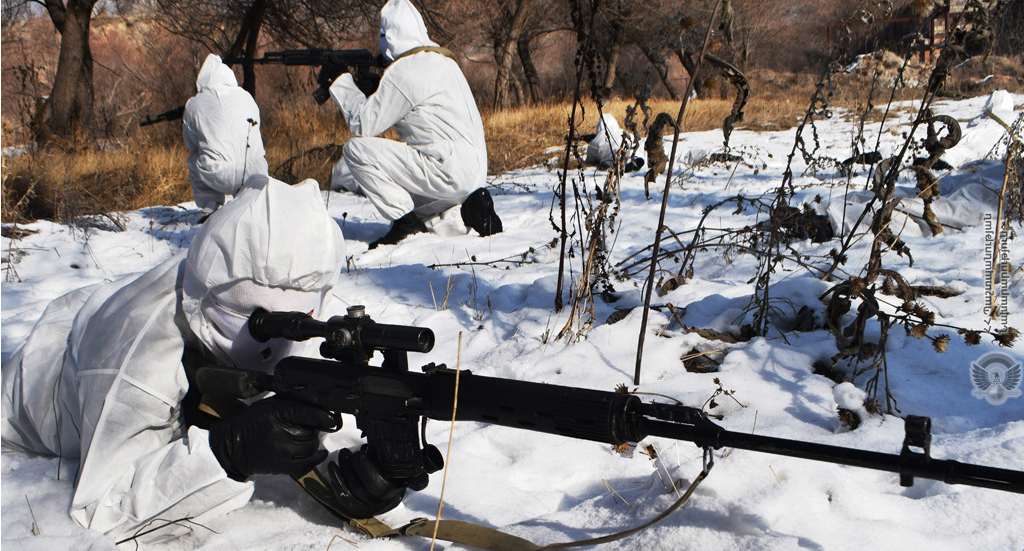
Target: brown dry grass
520 136
149 167
61 185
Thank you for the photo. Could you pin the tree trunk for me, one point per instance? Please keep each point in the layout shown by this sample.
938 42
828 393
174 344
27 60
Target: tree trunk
660 67
726 26
503 81
690 64
504 54
529 70
614 53
248 35
249 69
67 114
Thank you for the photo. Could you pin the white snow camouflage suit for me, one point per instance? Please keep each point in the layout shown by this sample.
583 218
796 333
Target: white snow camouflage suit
441 155
221 128
101 376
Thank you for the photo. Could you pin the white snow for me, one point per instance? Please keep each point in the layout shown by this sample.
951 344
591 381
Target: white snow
494 297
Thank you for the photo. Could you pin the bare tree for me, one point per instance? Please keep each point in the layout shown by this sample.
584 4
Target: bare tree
620 23
506 29
67 113
237 28
657 29
513 27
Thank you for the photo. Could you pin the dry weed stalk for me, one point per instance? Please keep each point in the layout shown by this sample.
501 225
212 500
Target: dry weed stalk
860 353
872 293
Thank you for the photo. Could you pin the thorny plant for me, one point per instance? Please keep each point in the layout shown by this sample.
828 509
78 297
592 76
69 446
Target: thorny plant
585 60
726 242
873 295
859 353
515 260
711 404
772 235
1010 209
594 217
1013 187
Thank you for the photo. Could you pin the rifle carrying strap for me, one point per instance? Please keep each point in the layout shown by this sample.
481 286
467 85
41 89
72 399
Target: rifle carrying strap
466 533
472 534
436 49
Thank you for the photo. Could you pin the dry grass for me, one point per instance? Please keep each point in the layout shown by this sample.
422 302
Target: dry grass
520 136
60 185
304 141
150 168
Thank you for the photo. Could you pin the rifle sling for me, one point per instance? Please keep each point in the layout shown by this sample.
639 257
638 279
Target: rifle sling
436 49
456 531
469 533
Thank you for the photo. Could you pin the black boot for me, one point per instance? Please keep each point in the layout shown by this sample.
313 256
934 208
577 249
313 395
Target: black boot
478 213
400 229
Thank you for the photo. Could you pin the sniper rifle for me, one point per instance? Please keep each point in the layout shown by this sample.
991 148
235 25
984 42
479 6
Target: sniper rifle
332 62
389 401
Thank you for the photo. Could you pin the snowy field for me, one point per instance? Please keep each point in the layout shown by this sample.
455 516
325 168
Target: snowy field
494 297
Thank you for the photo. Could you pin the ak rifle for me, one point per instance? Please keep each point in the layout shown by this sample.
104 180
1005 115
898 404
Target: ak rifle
166 116
389 401
362 62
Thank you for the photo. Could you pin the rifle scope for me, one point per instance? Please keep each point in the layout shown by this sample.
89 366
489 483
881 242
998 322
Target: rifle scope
355 329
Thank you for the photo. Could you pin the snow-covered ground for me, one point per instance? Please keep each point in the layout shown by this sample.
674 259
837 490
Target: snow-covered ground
494 297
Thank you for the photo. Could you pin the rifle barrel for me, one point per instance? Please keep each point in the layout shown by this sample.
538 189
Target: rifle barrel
614 418
907 465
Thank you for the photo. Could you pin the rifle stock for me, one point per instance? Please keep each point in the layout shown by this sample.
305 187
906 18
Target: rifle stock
388 402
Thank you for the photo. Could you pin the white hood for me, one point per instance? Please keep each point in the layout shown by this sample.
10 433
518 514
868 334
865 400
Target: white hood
440 156
214 74
272 235
401 29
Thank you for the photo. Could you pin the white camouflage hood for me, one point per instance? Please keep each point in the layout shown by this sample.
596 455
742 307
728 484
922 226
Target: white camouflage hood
401 29
214 74
272 236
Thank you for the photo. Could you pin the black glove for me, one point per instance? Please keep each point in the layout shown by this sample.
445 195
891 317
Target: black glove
329 73
367 83
272 436
360 489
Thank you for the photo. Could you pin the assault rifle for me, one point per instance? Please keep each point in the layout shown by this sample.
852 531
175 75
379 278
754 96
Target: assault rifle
389 402
172 115
362 61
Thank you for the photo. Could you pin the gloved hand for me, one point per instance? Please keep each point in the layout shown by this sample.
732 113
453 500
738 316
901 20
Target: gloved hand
367 82
328 73
272 436
360 489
